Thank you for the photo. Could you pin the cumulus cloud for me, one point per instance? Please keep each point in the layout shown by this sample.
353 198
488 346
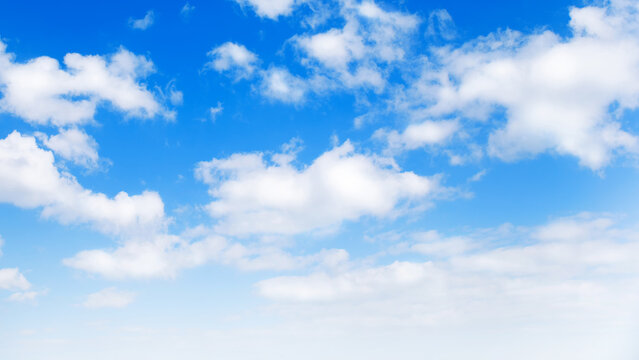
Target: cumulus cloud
234 58
11 279
279 84
427 133
29 179
271 9
109 298
253 195
143 23
556 91
74 145
358 54
41 92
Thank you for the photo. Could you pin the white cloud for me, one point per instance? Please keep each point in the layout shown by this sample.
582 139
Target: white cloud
187 9
145 22
321 286
109 298
359 54
233 57
279 84
556 91
271 9
40 92
74 145
12 279
176 97
25 296
215 111
427 133
440 23
478 176
163 256
29 179
255 196
577 275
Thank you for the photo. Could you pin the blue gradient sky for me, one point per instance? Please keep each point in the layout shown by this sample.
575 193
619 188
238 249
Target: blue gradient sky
364 242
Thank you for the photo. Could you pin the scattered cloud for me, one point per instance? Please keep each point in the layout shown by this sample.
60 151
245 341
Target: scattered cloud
556 91
145 22
234 58
478 176
11 279
253 195
163 256
186 10
427 133
279 84
42 93
74 145
441 24
109 298
25 296
215 111
571 271
271 9
29 179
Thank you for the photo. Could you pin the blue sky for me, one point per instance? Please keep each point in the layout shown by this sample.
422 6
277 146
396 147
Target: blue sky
312 179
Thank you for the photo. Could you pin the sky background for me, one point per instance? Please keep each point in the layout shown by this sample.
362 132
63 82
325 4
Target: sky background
313 179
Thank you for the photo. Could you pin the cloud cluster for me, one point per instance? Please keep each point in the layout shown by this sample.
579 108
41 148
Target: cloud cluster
255 196
74 145
582 268
556 93
271 9
41 92
358 55
30 179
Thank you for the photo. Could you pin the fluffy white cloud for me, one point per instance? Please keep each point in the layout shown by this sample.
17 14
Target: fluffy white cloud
271 8
427 133
41 92
279 84
109 298
233 57
74 145
145 22
12 279
29 179
359 53
255 196
556 92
